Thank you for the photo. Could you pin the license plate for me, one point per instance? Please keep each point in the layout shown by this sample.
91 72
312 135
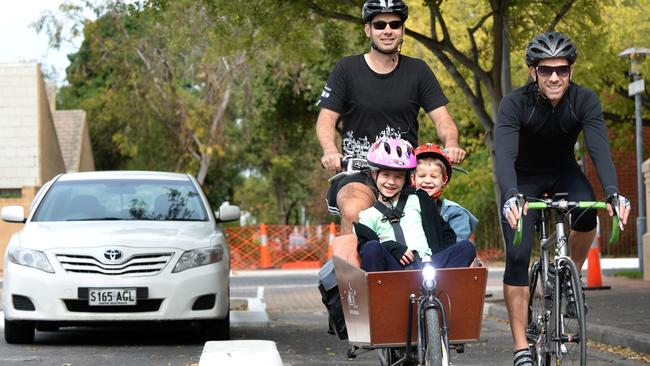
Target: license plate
111 296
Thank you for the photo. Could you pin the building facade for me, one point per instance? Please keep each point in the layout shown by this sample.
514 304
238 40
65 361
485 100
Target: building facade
37 142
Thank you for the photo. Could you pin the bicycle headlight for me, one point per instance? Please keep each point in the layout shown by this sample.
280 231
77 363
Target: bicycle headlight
429 277
30 258
199 257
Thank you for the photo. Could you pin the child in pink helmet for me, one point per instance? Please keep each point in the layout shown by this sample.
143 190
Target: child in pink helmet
404 225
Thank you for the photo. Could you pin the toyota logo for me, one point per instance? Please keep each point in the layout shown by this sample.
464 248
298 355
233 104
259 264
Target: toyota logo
113 254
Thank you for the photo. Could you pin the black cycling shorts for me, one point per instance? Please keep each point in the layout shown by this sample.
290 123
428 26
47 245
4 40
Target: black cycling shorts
361 177
570 180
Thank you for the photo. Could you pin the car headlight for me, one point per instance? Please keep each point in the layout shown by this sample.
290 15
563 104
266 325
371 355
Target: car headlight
199 257
30 258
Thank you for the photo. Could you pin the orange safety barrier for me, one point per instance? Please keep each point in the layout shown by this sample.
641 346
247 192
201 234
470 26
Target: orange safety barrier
279 246
265 256
330 238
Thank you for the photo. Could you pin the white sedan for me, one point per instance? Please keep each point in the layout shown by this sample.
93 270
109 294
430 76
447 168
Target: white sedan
115 247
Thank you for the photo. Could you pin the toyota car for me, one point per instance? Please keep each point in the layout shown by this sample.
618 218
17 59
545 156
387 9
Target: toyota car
111 248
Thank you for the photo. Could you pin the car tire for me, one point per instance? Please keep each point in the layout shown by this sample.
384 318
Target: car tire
216 329
19 331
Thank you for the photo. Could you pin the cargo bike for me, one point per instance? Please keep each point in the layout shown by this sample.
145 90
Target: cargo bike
411 317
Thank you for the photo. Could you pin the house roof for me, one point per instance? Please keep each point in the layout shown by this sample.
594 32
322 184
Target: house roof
70 126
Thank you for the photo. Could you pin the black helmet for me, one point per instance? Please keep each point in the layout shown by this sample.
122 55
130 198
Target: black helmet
550 45
374 7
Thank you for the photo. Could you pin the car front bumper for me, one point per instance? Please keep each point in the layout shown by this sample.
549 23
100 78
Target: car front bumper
178 293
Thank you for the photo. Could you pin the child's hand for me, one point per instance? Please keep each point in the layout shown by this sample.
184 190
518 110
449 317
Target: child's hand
407 257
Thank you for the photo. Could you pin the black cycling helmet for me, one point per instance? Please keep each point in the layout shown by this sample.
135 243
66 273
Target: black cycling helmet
374 7
550 45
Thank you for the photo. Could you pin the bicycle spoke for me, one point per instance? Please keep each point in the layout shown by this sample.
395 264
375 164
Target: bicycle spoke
572 332
536 325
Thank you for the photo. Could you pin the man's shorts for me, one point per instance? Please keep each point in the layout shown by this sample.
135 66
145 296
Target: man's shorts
335 187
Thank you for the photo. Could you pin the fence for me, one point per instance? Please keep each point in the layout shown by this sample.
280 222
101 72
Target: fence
290 246
279 246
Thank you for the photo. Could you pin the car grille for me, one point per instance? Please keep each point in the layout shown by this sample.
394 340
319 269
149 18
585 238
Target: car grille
142 306
137 264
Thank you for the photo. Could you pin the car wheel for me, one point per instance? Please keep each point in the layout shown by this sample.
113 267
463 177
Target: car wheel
217 329
19 331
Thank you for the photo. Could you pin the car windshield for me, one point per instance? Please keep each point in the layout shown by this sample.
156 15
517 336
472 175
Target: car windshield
121 199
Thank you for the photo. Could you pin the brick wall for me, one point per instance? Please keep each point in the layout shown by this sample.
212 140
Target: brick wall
625 162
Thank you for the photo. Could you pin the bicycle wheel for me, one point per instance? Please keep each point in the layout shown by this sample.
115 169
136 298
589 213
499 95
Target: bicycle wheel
433 350
537 325
572 334
387 356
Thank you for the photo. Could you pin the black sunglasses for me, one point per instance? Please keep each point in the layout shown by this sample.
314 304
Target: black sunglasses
381 25
561 71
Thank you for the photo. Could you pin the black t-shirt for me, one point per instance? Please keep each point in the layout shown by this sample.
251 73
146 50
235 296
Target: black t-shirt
375 105
533 137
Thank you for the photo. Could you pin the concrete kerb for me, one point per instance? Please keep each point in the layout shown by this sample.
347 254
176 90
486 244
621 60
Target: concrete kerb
639 342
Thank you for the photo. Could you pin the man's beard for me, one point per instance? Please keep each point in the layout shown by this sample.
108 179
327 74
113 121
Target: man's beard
385 52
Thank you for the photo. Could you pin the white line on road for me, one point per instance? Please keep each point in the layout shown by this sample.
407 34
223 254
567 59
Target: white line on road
260 292
270 287
2 320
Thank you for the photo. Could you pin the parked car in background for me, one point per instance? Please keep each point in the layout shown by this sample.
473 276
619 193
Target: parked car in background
105 248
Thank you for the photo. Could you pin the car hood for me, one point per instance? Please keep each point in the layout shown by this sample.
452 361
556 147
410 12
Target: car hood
146 234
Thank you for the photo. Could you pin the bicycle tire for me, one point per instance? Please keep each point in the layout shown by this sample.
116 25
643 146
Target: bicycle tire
536 326
433 349
573 328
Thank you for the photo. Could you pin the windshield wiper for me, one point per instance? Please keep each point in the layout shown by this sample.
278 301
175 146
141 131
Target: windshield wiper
98 219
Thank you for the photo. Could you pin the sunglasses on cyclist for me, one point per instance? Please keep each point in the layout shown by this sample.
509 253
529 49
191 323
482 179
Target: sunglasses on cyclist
561 71
381 25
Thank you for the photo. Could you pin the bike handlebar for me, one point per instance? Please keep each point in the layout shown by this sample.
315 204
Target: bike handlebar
352 166
563 205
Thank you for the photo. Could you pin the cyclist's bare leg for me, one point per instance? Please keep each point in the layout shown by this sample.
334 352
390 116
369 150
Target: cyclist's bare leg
580 242
517 303
352 199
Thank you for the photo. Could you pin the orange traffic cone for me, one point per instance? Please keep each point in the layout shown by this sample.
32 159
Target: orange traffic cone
330 238
265 255
594 273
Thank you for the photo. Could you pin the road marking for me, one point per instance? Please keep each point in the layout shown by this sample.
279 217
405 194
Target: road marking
2 320
260 292
272 287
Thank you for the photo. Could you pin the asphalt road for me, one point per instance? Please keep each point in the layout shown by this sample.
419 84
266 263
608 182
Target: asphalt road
298 326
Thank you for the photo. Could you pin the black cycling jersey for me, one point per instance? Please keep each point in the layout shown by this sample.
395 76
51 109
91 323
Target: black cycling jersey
374 105
533 137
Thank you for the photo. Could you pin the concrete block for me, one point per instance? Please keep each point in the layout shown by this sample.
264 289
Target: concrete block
248 352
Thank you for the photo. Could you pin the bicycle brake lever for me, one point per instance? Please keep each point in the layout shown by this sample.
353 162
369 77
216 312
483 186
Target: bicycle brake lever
616 204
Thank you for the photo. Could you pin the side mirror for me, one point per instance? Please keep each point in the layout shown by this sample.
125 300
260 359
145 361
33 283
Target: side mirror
13 214
227 213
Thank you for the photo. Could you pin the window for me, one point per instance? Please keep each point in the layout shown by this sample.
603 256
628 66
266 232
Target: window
121 199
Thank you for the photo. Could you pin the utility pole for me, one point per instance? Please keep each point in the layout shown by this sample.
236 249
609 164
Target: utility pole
635 56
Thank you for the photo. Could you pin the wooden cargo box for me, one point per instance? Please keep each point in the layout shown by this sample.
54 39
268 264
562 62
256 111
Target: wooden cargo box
375 304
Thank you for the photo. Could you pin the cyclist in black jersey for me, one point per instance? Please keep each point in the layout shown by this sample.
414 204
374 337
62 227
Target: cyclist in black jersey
536 130
377 95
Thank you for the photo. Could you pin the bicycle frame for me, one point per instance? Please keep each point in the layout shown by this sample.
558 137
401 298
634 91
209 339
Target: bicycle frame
560 259
549 329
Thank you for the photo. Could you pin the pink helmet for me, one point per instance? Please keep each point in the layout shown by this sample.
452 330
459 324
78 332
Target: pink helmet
391 154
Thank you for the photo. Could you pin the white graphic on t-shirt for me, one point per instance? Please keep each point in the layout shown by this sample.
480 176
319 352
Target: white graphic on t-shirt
358 147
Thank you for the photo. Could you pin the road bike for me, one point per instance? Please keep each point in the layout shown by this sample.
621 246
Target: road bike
557 324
